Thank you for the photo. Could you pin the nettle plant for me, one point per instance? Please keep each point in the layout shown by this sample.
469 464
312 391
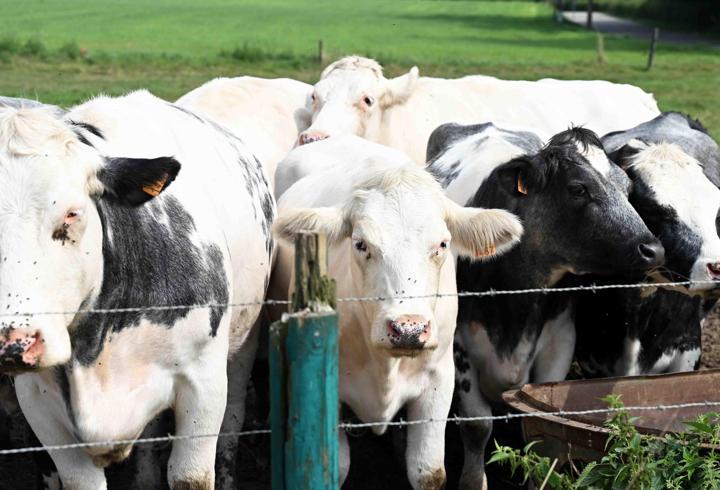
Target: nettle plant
686 460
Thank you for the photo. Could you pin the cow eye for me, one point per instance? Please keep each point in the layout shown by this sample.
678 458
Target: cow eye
577 190
369 101
312 97
360 246
444 244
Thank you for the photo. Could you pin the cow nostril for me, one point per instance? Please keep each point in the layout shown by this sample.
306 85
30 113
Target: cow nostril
714 269
393 328
653 254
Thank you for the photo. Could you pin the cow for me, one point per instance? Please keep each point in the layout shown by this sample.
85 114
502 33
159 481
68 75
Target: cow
129 202
675 169
390 231
577 220
267 114
353 96
305 160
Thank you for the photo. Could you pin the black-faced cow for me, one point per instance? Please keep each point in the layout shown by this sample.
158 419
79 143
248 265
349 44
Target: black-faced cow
576 220
97 214
391 229
675 168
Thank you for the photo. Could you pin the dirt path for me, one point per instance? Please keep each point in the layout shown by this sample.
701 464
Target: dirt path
610 24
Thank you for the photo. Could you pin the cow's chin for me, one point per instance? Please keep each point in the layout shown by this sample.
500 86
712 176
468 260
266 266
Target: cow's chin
406 352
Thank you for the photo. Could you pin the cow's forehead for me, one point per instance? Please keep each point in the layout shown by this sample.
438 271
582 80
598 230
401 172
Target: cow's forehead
677 181
347 82
398 216
596 157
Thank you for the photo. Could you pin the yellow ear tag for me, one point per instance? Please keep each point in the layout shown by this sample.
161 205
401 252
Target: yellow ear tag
156 187
520 186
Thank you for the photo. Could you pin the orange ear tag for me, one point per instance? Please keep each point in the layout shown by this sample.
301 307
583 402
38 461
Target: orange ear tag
520 186
156 187
491 250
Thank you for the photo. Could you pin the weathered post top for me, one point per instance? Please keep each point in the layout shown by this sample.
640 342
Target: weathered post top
314 291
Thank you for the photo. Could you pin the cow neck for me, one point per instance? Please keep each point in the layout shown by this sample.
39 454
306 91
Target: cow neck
507 318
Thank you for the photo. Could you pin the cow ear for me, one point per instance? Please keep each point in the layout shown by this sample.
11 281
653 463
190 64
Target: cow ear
134 181
400 89
518 177
481 233
326 220
625 155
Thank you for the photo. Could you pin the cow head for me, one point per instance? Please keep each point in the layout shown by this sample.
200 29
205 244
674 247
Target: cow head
50 231
574 213
678 198
398 228
351 95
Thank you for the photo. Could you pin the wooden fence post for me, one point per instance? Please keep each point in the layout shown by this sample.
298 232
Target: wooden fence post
653 43
321 52
600 45
304 377
589 14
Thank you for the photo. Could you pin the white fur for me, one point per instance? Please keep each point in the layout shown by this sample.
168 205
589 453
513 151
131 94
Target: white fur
267 114
147 368
399 211
409 108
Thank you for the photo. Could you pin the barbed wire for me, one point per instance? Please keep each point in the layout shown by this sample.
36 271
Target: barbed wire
461 294
348 425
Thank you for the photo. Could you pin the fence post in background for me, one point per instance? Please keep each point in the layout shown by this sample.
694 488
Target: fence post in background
589 14
304 377
601 58
653 43
321 52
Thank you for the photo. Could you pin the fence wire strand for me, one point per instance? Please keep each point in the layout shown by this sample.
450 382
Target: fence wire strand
358 299
347 425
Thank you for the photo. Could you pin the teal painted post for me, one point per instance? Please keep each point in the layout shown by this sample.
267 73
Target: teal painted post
311 449
278 403
304 378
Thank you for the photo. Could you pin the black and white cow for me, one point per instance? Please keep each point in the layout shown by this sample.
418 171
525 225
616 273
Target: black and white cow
675 168
576 220
89 220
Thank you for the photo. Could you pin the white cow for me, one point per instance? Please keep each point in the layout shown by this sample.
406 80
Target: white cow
89 220
267 114
353 96
390 228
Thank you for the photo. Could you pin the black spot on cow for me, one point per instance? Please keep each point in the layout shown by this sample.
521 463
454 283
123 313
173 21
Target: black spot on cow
460 356
90 128
150 258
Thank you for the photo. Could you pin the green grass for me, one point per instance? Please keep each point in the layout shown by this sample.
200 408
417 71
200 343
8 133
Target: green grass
171 47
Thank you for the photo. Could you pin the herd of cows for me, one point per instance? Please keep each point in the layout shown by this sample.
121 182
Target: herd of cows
422 186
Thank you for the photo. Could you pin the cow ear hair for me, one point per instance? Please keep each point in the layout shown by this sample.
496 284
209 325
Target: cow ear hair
399 89
624 155
481 233
329 221
134 181
517 177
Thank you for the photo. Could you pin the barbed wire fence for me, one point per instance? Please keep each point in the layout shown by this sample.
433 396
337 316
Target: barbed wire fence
347 425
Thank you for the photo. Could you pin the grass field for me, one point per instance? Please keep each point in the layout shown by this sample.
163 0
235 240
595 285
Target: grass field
172 46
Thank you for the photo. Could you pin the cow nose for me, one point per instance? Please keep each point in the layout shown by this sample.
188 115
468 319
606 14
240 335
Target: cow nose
312 136
651 254
713 269
408 331
19 350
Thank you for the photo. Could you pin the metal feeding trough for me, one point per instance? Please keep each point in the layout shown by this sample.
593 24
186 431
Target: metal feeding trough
583 437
